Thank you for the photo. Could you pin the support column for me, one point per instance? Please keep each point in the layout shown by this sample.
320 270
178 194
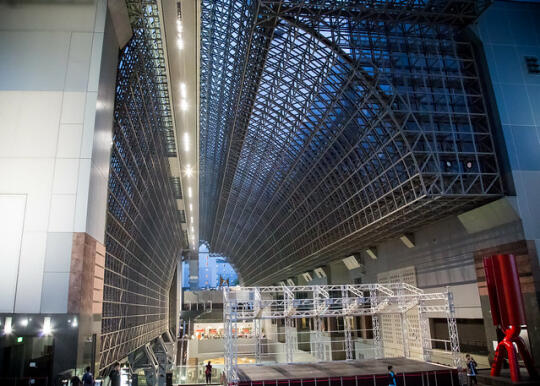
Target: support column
230 319
378 348
257 327
452 330
289 339
425 334
349 344
319 345
347 323
404 323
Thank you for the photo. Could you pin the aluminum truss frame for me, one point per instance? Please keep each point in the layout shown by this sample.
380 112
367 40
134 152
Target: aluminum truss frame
329 126
290 303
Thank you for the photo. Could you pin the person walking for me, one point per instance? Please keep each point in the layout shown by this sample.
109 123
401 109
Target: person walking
208 373
471 370
391 377
87 378
114 375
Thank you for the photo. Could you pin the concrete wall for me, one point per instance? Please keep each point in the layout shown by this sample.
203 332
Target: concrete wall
443 255
55 137
509 31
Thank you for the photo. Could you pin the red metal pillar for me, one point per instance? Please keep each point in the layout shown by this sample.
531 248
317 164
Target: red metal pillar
507 311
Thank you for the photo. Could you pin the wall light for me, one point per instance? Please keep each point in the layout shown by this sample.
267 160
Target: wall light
47 326
24 322
8 327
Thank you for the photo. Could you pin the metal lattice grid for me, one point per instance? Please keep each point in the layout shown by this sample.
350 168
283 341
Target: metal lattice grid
329 126
290 304
143 233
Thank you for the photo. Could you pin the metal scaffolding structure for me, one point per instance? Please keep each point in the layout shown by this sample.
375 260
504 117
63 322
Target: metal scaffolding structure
328 126
292 303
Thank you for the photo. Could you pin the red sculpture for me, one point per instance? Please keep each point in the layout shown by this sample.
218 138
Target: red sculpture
507 312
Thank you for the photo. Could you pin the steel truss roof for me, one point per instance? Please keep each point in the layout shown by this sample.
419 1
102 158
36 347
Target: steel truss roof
327 126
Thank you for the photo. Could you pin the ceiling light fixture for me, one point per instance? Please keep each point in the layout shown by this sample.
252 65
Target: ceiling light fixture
189 192
186 142
183 91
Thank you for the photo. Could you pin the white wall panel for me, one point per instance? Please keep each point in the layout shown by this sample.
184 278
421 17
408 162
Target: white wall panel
12 208
33 61
54 295
50 57
69 141
29 123
48 17
58 252
34 178
83 188
66 176
30 277
62 213
78 61
73 105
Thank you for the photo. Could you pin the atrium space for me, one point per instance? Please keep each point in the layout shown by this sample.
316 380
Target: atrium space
253 192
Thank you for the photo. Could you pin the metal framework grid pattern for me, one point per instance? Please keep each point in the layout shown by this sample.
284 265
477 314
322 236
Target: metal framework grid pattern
143 234
291 303
327 126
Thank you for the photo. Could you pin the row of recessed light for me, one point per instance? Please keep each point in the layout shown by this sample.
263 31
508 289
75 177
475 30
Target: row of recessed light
179 32
46 329
184 106
188 171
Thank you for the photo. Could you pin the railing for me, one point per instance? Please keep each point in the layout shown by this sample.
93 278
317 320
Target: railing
424 378
189 375
441 344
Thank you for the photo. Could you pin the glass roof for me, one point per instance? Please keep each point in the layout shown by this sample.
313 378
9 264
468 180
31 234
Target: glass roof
327 126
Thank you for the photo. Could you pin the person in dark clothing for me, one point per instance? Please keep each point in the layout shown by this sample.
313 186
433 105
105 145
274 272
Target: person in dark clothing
75 381
208 373
88 378
391 377
115 374
471 370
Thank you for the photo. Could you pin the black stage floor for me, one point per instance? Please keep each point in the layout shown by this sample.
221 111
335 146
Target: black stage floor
342 373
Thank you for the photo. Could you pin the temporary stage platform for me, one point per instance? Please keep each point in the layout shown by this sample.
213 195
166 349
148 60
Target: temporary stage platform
371 372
